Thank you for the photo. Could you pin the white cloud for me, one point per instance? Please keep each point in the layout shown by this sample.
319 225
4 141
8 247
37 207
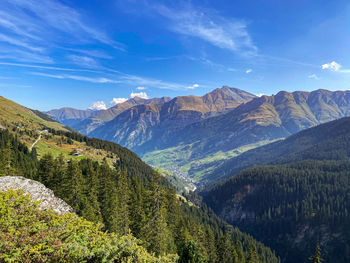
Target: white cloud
260 94
142 95
333 66
141 88
116 101
193 86
227 34
313 76
98 105
248 71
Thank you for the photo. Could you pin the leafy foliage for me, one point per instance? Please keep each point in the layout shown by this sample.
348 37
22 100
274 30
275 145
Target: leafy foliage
31 235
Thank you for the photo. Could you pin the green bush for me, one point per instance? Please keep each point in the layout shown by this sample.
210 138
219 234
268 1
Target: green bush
28 234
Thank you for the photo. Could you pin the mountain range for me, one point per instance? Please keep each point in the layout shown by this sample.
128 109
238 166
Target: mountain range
192 135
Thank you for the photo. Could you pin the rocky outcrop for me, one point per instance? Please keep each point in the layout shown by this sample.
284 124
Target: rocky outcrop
36 191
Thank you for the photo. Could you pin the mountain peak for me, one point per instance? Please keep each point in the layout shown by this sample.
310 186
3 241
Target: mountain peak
233 93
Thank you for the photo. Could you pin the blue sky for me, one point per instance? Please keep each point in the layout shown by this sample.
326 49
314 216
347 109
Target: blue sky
57 53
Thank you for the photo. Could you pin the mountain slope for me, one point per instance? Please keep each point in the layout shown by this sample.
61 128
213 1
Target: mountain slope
144 126
328 141
86 121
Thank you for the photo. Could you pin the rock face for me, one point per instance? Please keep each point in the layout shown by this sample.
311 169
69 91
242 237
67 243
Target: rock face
37 191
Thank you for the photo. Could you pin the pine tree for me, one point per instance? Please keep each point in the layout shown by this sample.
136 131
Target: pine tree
239 250
210 246
252 255
3 162
74 191
108 197
6 162
156 232
225 249
136 207
123 199
191 253
92 210
317 257
46 170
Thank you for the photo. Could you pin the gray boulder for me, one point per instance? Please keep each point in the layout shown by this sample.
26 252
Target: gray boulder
37 191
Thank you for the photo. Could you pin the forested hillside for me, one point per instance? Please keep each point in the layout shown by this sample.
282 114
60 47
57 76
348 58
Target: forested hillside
328 141
131 197
291 207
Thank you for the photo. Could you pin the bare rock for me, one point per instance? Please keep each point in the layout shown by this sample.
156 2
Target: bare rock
37 191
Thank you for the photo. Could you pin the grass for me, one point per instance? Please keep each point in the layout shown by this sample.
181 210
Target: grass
24 122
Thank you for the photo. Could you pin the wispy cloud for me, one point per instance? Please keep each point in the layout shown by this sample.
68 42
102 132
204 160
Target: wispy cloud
24 56
19 43
141 88
52 14
313 76
230 34
121 77
153 83
49 67
40 28
248 71
75 77
91 53
83 61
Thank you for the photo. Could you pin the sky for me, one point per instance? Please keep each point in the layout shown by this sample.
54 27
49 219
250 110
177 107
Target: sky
95 54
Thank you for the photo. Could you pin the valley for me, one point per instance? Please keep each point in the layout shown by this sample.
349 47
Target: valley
174 131
191 136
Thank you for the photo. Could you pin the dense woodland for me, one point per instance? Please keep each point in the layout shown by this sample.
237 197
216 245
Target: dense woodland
132 198
291 207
